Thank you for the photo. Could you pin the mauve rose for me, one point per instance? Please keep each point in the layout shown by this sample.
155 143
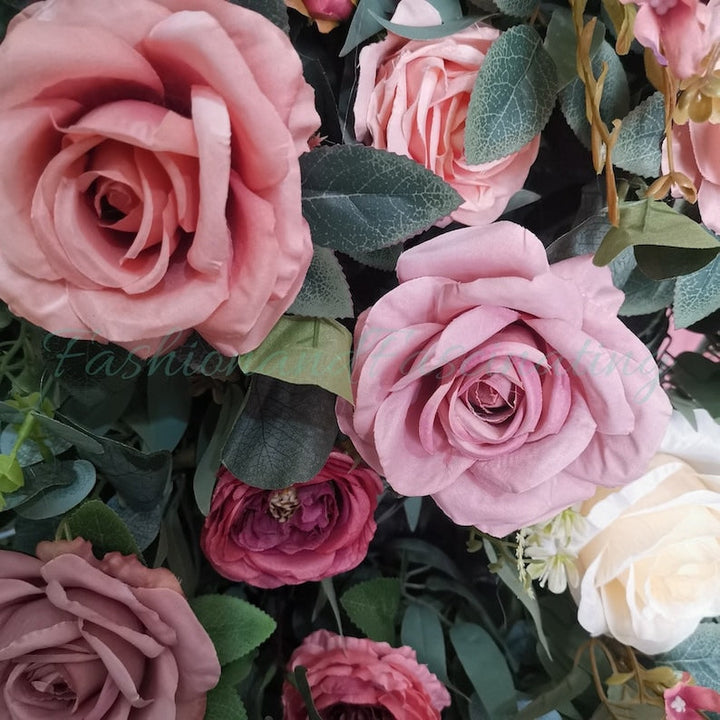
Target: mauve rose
696 152
327 14
84 639
412 99
506 388
149 176
358 679
311 531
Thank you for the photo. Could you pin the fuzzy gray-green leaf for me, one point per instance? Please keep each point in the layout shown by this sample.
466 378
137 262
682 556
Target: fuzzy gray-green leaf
638 145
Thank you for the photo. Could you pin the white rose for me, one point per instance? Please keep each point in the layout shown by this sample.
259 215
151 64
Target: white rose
649 556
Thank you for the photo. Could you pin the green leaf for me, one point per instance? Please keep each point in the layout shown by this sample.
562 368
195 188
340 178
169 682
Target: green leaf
697 295
6 317
359 199
644 295
412 507
98 524
383 259
53 501
10 414
276 12
325 291
284 435
304 351
328 590
699 377
235 627
144 525
561 44
431 32
11 474
485 666
638 145
299 680
513 96
666 243
424 553
372 606
574 684
31 452
38 478
60 428
28 533
517 8
422 631
615 99
223 701
365 22
699 655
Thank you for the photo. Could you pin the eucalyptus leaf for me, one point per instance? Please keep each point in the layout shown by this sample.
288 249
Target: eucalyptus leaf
513 96
697 295
30 452
422 631
637 149
372 606
359 199
304 351
11 475
325 291
40 477
28 533
10 414
284 435
412 507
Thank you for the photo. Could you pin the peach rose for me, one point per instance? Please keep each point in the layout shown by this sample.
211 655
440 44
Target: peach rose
82 638
285 537
412 99
358 678
149 176
648 559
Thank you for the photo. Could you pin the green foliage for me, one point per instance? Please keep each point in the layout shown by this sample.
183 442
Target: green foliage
422 631
699 655
359 199
644 295
412 507
517 8
284 435
274 10
415 32
638 145
697 295
11 476
383 259
304 351
235 627
567 689
365 22
513 97
699 377
223 701
372 606
325 292
299 680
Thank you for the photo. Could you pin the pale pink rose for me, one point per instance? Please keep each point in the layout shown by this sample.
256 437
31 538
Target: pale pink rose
149 176
83 638
327 14
696 148
505 388
412 99
306 532
358 678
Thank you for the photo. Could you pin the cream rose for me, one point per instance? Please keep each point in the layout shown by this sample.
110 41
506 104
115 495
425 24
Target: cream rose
648 559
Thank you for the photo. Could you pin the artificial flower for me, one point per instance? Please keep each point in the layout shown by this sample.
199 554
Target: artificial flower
327 14
685 700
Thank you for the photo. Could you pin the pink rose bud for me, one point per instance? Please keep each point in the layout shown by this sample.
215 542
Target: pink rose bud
330 9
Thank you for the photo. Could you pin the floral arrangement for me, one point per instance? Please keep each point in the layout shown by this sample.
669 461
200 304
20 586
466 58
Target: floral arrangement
359 359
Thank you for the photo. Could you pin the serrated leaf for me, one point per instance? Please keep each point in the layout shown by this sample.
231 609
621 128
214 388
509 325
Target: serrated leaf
274 10
615 99
666 243
57 500
325 291
359 199
383 259
513 96
223 701
98 524
364 23
372 606
486 669
644 295
637 149
235 627
699 655
517 8
561 44
304 351
697 295
284 435
422 631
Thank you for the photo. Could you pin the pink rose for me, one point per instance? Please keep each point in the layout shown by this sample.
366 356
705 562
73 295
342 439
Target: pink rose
327 14
84 639
412 99
696 149
285 537
355 677
685 701
149 171
506 388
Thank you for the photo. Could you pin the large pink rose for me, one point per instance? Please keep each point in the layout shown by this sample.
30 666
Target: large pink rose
83 639
696 148
412 99
358 678
302 533
506 388
149 177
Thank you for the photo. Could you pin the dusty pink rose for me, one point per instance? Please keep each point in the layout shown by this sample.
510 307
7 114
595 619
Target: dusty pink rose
696 148
412 99
305 532
356 678
506 388
149 177
327 14
82 639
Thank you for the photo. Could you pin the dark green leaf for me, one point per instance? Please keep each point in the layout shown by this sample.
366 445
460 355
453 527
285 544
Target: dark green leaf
144 526
299 680
699 655
274 10
284 435
412 506
38 478
236 627
697 295
568 688
517 8
638 145
644 295
699 377
432 32
325 292
383 259
223 701
59 427
422 631
28 533
359 199
424 553
513 97
304 351
98 524
328 590
10 414
364 23
372 606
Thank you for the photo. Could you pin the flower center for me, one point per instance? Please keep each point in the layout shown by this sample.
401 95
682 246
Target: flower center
346 711
283 504
678 704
